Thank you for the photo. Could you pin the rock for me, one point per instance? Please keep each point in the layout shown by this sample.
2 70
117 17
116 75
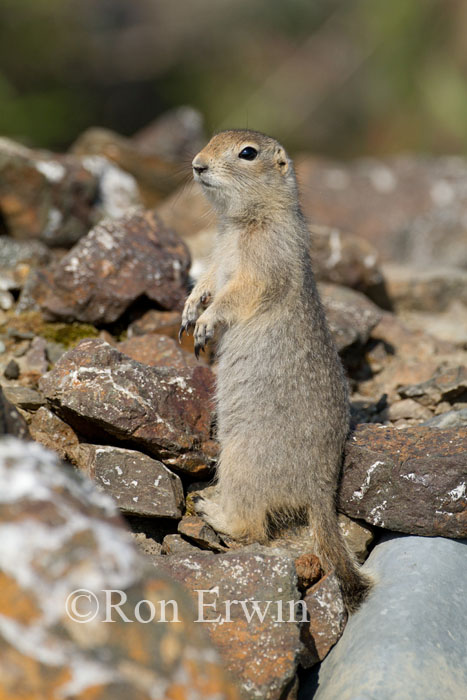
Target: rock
449 385
342 258
61 538
23 397
328 617
118 261
261 655
176 136
148 546
351 316
11 421
156 176
411 288
357 535
45 195
451 419
6 300
407 408
449 325
163 323
194 528
34 363
48 429
412 209
140 485
157 351
11 371
118 190
22 252
409 481
408 639
175 544
98 390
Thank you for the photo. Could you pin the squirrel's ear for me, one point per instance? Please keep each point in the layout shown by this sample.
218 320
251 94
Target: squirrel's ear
281 160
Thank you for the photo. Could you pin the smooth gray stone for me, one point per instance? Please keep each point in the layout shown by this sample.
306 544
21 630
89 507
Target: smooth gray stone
409 640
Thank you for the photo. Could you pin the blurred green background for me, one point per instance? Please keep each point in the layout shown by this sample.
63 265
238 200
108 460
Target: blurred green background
336 77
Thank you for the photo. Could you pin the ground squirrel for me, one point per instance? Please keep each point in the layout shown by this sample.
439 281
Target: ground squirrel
282 402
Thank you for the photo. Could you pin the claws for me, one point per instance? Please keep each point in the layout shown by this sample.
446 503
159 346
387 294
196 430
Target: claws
198 347
184 328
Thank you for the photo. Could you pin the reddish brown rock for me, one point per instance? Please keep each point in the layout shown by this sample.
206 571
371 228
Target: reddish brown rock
261 655
195 529
157 350
45 195
156 175
309 570
328 617
52 432
411 209
58 535
139 485
118 261
411 481
176 544
163 323
98 389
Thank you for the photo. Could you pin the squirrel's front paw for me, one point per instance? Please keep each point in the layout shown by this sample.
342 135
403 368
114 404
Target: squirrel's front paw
204 330
191 311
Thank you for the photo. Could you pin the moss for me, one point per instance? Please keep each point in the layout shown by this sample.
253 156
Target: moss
67 334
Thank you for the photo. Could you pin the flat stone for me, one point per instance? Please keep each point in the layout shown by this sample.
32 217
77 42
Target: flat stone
328 618
117 262
409 638
52 432
59 534
196 530
139 484
451 419
411 480
157 351
261 655
175 544
99 390
23 397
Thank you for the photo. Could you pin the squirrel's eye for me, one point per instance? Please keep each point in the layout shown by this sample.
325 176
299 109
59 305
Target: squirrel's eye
248 153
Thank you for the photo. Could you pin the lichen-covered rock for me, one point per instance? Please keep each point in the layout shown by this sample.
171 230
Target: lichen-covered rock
328 617
139 485
98 389
411 209
411 481
259 650
118 261
60 539
195 529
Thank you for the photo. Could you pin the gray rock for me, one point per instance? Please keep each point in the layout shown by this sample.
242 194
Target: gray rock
351 315
11 421
450 419
11 371
24 397
140 485
446 385
408 640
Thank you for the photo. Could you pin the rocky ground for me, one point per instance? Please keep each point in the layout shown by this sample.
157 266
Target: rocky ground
98 248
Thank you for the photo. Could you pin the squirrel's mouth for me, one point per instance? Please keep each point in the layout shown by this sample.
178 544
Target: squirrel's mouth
201 181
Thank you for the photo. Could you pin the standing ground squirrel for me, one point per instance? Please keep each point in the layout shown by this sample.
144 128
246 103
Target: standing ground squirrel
282 402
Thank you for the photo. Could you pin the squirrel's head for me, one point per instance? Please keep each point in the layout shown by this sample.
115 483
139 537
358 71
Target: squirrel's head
242 170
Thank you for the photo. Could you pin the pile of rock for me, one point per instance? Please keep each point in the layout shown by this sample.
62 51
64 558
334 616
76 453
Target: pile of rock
91 290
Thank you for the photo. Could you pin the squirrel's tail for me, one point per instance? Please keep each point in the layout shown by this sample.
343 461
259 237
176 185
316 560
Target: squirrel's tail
333 552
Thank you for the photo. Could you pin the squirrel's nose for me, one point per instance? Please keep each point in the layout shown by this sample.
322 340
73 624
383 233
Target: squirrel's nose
199 166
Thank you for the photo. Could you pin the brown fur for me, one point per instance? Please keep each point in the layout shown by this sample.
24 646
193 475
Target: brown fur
281 392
